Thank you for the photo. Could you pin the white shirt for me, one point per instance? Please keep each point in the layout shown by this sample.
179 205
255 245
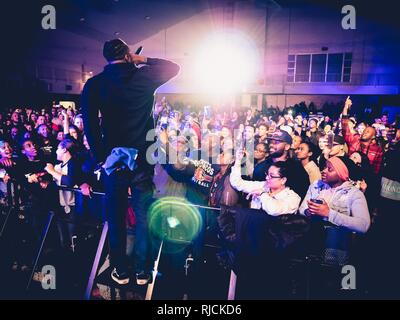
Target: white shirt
67 198
284 202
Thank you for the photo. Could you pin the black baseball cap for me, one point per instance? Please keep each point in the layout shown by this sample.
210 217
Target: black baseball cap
338 139
281 135
115 49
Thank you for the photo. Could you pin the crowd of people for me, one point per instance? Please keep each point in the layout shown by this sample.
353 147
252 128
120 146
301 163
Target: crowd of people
342 170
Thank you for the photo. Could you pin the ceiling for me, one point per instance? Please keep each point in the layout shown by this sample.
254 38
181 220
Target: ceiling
133 20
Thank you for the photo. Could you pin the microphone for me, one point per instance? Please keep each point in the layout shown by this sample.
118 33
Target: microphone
139 50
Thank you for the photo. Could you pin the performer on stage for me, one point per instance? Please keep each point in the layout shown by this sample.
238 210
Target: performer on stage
124 93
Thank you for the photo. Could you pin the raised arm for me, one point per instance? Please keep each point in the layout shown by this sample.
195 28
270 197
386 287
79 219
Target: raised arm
65 122
350 138
242 185
347 106
156 71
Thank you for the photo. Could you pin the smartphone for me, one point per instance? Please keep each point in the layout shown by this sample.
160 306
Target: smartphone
319 201
391 134
207 112
163 122
331 136
139 50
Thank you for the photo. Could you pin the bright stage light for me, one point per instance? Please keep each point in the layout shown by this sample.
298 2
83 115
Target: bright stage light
225 62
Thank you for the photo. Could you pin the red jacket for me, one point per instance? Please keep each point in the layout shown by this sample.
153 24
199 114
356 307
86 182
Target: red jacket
372 150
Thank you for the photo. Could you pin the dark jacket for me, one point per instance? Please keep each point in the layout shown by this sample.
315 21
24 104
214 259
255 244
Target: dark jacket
260 170
124 95
198 175
74 175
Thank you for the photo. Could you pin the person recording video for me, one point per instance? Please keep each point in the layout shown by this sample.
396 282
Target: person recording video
124 95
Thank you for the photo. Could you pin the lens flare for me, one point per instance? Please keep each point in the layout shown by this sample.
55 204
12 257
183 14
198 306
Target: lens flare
175 221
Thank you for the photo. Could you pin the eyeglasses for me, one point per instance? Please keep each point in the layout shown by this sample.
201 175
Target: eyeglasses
268 176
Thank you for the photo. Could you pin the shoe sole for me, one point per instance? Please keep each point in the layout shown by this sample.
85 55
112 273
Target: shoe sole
119 281
142 282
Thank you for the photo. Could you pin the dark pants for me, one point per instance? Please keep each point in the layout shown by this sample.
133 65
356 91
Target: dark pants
385 256
116 188
67 227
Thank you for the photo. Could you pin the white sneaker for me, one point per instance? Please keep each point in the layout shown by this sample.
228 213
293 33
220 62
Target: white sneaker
122 278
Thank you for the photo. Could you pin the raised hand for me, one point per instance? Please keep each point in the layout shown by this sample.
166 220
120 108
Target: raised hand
33 178
5 162
239 156
138 59
49 167
348 103
86 189
255 194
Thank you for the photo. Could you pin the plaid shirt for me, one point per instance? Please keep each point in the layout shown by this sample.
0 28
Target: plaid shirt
372 150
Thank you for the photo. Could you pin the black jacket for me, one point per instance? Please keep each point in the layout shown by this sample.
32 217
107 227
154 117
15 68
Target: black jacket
198 176
260 170
124 95
75 174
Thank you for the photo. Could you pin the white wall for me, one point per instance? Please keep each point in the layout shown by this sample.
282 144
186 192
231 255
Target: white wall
306 30
278 33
